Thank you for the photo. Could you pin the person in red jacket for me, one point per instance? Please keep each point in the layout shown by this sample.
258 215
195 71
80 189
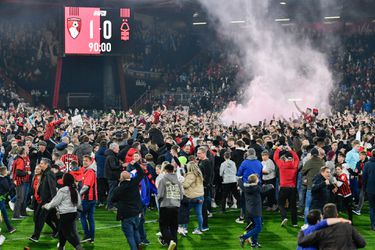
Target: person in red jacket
288 168
50 127
21 176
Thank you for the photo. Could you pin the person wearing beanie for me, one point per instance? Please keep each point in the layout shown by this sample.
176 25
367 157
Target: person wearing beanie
309 170
251 165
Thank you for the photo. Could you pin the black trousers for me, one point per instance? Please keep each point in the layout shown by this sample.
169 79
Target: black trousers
290 194
205 207
42 216
168 223
102 190
345 204
271 195
228 189
68 230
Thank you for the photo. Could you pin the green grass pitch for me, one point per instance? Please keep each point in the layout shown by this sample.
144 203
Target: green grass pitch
223 233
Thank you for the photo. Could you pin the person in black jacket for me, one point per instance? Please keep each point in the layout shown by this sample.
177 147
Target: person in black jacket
5 187
46 191
336 237
129 205
253 200
207 170
112 170
43 152
369 186
321 189
238 154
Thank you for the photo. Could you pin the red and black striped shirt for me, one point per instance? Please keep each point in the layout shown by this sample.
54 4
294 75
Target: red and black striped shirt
344 189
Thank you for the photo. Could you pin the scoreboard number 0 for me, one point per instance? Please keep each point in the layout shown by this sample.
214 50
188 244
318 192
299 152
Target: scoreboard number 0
107 29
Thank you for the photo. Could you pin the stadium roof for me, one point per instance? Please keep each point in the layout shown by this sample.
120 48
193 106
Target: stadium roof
295 10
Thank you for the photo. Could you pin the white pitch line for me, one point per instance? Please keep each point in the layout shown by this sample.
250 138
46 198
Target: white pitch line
113 226
97 228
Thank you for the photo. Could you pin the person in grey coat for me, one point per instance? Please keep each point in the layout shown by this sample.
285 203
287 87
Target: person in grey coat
67 201
170 194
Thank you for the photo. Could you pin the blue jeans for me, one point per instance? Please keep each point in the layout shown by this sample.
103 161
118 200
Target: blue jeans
253 233
130 227
197 204
3 210
87 214
307 204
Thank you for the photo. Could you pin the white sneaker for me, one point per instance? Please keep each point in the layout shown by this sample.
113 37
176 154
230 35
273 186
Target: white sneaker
304 226
197 231
240 221
186 231
181 231
11 205
2 239
29 210
209 215
284 222
234 206
158 234
58 245
213 204
172 245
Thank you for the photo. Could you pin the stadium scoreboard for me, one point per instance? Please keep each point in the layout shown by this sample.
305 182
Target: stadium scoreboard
97 31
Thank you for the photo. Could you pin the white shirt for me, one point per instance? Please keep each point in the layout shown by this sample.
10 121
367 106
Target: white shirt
269 166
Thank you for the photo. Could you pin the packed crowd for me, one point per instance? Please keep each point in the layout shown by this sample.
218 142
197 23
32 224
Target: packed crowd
354 63
155 47
176 162
212 82
28 55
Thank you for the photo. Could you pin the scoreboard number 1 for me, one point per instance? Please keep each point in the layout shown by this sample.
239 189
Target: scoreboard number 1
107 29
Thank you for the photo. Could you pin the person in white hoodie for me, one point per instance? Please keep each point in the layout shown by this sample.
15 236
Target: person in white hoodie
228 172
66 201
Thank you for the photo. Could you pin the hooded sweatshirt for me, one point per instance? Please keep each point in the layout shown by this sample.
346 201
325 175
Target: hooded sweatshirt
250 166
63 202
170 191
89 190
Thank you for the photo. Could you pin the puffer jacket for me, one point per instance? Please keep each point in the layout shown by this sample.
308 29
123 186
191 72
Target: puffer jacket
62 201
193 186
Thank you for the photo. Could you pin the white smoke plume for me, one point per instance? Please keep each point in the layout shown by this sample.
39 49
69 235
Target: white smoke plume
281 65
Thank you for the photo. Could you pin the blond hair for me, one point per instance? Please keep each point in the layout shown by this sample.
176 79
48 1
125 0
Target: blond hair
253 178
192 167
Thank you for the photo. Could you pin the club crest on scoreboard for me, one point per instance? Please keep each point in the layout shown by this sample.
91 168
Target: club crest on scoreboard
74 26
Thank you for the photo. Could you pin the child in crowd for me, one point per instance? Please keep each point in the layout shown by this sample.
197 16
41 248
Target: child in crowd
344 194
253 210
77 173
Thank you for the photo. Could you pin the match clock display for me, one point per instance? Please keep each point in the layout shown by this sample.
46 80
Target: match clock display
97 31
